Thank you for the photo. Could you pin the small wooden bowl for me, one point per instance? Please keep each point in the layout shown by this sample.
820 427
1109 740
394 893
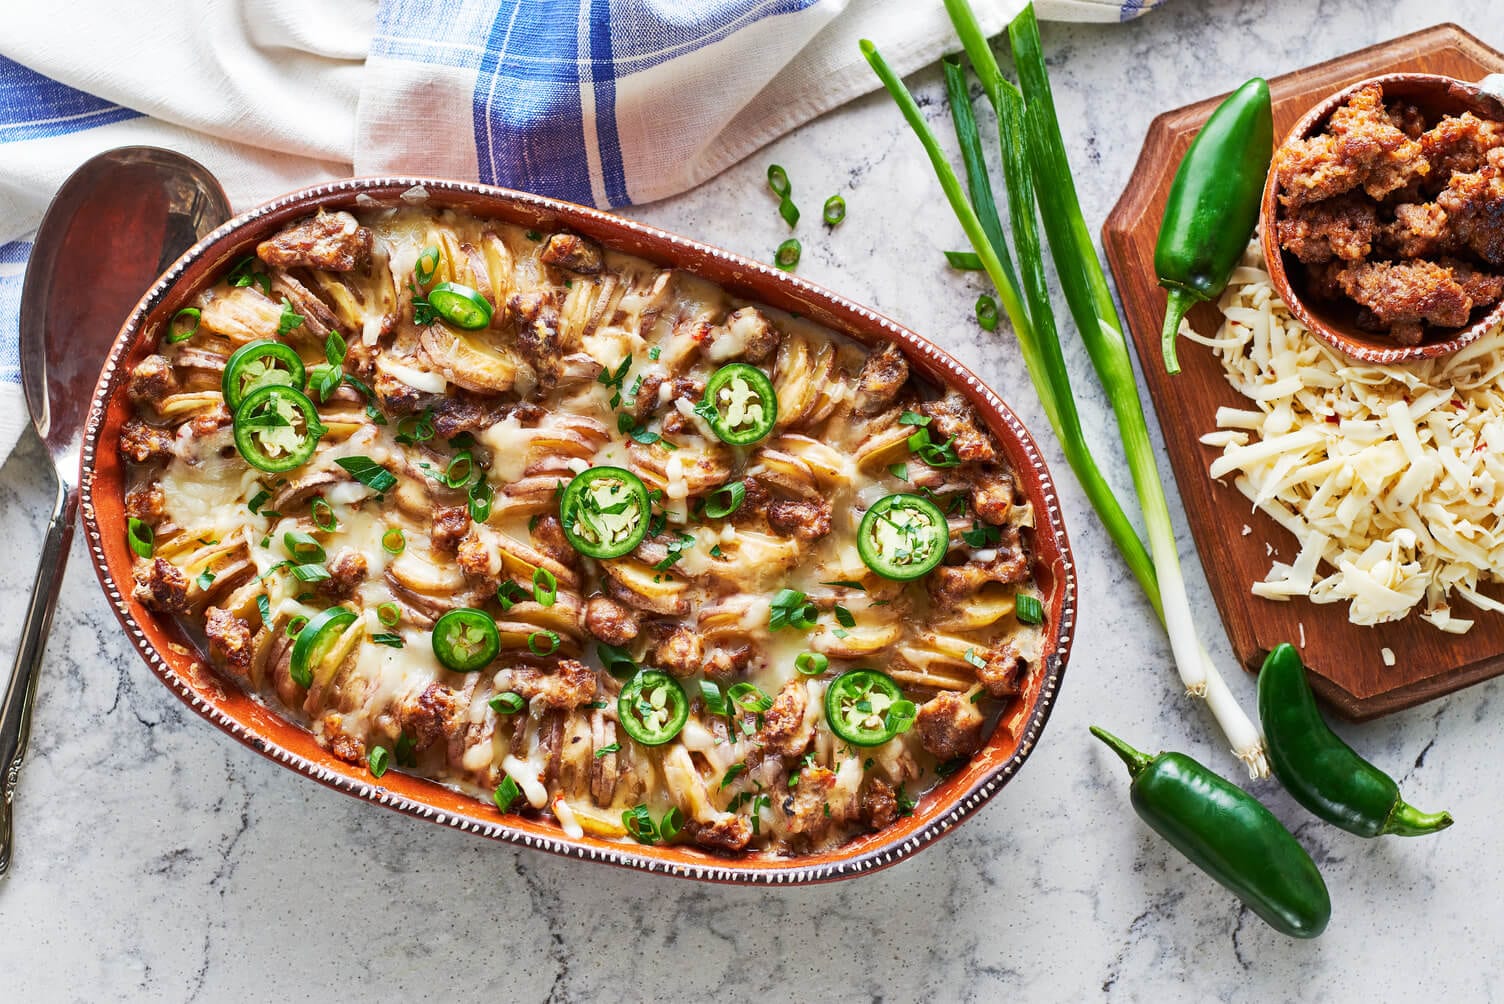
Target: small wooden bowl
1335 323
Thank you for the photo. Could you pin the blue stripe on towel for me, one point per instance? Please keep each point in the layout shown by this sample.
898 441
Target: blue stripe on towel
685 26
527 112
12 274
34 107
603 76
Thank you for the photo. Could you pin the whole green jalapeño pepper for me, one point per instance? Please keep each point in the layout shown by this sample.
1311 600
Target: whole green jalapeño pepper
1228 834
1321 771
1214 205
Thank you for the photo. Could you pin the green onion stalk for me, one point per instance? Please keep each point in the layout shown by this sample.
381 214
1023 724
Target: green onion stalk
1035 169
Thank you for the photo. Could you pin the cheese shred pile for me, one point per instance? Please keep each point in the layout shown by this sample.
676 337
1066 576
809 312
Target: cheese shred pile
1390 478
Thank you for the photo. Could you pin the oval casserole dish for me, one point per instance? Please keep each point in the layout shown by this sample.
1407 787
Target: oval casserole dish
175 659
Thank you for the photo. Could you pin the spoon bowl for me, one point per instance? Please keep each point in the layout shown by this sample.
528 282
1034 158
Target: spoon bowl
117 222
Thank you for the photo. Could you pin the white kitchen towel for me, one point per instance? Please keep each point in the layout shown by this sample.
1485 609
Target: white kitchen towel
606 102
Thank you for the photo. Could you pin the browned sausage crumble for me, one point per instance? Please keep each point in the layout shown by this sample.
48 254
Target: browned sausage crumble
1402 215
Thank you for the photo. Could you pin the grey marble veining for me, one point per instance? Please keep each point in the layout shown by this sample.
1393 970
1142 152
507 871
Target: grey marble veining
157 860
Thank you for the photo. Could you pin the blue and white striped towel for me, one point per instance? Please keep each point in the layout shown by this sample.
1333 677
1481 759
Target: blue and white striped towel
606 102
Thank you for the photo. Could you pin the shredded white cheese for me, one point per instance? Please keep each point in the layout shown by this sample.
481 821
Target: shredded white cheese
1390 478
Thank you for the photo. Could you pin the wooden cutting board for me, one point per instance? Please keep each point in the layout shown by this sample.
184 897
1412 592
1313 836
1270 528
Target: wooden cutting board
1345 659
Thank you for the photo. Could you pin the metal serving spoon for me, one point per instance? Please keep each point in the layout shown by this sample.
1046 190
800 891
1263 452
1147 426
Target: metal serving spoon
116 224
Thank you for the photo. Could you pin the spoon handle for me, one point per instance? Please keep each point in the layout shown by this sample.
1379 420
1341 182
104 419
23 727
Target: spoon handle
21 691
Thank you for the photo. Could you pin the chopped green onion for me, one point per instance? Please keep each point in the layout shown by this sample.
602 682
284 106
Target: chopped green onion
378 760
982 535
939 455
639 823
457 474
811 663
749 697
176 331
536 640
900 716
243 273
1028 609
844 616
507 704
725 500
369 473
323 515
607 750
302 547
506 793
427 264
987 312
311 572
899 471
787 255
204 580
846 584
406 751
617 661
509 594
415 429
970 655
965 261
791 608
835 210
545 587
481 494
389 639
778 181
394 541
296 626
389 614
732 773
140 537
257 501
264 608
711 695
670 825
290 320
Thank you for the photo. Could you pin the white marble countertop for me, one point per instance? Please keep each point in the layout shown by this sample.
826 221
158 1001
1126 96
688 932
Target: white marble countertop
159 860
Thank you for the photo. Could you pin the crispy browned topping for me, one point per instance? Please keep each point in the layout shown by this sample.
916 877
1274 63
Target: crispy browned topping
229 638
160 586
334 242
950 726
572 252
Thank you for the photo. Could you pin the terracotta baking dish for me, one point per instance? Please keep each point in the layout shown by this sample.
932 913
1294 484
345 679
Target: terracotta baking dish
175 659
1336 323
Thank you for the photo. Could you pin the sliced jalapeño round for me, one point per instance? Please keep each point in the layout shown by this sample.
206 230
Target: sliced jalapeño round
276 428
902 536
652 707
314 642
259 364
866 708
605 512
740 404
465 639
460 305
